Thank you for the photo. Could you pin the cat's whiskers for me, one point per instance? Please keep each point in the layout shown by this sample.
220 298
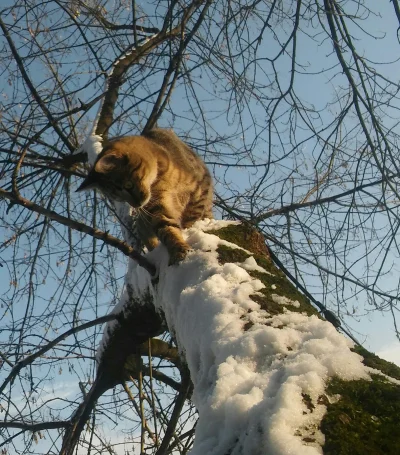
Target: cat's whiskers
145 215
145 211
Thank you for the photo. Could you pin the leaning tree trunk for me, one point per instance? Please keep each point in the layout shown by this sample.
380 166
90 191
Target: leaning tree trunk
270 376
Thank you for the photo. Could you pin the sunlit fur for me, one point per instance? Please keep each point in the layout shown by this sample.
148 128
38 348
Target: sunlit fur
162 178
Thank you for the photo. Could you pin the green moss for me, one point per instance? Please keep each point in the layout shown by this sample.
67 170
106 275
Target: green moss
283 287
274 280
365 420
226 254
373 361
241 235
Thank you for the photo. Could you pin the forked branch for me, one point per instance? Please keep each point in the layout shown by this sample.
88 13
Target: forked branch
116 77
81 227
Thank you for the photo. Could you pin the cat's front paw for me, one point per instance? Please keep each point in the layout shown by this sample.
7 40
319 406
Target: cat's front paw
178 254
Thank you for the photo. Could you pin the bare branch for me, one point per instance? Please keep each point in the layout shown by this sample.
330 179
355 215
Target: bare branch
32 88
116 78
96 233
32 357
180 401
35 426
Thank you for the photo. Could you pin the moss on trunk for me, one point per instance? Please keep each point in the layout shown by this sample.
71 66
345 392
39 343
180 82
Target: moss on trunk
362 416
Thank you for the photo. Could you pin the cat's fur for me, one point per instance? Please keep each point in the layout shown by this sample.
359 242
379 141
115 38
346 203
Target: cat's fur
162 178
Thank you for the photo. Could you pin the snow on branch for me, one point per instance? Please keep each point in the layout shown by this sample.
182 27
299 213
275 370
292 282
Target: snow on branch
115 78
260 372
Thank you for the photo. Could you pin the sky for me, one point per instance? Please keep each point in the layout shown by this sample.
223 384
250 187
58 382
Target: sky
374 331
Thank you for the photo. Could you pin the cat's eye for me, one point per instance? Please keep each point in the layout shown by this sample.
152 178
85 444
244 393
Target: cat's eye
128 185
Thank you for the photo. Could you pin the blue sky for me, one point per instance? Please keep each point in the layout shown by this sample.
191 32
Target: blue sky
374 330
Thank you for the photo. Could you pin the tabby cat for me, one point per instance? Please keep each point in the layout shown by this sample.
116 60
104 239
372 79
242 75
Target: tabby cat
162 178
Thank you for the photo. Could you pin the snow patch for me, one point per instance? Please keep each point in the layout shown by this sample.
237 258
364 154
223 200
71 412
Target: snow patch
282 300
251 264
139 279
93 145
250 380
211 224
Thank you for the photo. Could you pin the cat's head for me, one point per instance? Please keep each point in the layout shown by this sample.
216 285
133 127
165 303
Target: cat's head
123 175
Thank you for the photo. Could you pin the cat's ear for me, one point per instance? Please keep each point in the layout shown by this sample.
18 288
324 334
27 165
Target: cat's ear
110 162
88 184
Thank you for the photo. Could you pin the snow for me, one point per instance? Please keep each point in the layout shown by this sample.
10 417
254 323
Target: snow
251 264
92 146
121 307
211 224
282 300
249 379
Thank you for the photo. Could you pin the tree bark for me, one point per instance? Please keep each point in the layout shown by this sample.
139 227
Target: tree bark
284 382
305 389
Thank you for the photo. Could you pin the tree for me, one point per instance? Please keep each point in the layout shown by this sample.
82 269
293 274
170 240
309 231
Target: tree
230 79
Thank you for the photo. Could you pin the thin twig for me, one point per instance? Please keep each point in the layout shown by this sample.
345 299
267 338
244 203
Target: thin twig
321 201
141 403
173 421
134 404
32 357
153 402
81 227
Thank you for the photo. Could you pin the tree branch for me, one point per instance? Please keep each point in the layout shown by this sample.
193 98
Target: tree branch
32 88
116 77
320 201
180 401
96 233
175 63
31 358
35 426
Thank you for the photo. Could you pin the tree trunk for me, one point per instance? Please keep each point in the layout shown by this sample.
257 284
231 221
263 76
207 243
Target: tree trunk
270 376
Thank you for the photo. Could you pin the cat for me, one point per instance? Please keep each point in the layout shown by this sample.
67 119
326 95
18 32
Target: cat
162 178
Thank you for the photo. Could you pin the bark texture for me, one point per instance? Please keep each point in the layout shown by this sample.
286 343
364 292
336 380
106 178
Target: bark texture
365 417
361 416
